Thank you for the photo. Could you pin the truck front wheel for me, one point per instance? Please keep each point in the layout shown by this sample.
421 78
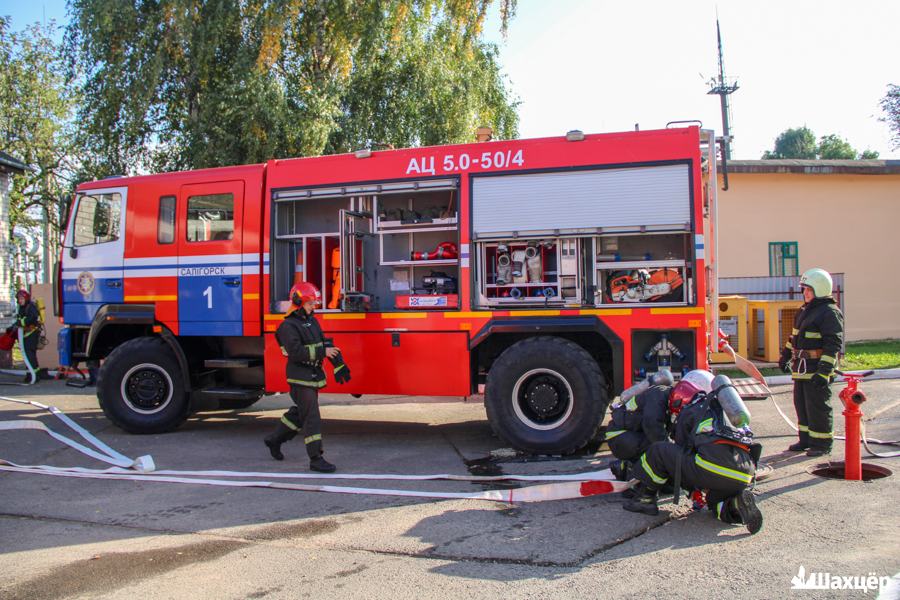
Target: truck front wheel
545 395
141 387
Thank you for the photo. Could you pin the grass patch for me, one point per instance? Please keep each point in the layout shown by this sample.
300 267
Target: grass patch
881 354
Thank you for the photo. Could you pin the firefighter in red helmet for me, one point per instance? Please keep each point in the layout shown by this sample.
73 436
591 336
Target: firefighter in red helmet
710 453
305 347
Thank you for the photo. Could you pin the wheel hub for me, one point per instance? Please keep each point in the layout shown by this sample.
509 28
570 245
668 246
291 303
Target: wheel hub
543 398
147 389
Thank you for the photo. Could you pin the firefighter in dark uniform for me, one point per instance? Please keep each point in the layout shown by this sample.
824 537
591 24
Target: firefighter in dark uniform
810 357
709 454
302 341
28 319
636 424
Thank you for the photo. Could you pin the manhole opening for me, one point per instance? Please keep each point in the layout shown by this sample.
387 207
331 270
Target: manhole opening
835 470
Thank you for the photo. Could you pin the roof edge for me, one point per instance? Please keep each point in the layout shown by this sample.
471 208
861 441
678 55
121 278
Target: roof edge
816 167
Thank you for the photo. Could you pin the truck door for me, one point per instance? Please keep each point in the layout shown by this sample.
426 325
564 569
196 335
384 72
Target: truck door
355 230
93 256
209 259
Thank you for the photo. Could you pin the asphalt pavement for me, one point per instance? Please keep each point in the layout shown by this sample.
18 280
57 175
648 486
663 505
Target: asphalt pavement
71 538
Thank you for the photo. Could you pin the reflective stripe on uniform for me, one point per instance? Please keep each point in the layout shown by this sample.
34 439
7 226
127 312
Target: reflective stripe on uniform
611 434
802 376
819 435
311 348
795 331
339 367
289 424
812 334
631 405
829 359
313 384
705 426
803 428
653 476
723 471
823 376
283 351
719 507
313 438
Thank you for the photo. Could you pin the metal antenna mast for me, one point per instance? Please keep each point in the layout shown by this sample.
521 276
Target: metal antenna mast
723 89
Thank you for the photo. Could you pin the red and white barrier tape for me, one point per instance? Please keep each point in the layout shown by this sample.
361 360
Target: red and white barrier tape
563 487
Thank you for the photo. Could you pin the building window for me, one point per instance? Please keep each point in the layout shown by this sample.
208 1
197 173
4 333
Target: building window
165 228
783 259
97 219
210 218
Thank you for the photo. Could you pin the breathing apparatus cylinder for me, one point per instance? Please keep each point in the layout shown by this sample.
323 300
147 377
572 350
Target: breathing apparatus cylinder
732 405
661 377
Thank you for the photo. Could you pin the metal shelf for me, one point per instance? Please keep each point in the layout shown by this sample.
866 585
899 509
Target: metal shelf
415 263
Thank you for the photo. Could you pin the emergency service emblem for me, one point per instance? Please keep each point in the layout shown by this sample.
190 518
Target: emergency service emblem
85 283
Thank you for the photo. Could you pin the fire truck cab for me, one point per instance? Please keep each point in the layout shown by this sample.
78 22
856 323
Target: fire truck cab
547 273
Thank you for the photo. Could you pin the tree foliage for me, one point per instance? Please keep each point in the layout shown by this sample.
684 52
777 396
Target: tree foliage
176 84
36 110
890 104
801 143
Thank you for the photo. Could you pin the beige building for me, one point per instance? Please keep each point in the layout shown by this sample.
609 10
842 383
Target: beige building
781 217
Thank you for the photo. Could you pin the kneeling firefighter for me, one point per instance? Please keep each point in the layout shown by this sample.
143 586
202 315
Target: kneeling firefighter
713 451
639 418
302 341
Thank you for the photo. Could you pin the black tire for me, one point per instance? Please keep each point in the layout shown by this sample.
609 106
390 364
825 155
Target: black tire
141 387
545 395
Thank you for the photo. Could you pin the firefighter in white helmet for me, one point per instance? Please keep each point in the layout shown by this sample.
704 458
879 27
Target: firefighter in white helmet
810 356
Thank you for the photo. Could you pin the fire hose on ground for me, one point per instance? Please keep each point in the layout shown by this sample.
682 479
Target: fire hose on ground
556 487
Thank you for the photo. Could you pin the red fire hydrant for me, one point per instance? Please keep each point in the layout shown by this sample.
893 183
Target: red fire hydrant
852 397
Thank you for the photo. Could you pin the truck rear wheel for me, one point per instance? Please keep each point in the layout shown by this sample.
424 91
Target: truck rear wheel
545 395
141 387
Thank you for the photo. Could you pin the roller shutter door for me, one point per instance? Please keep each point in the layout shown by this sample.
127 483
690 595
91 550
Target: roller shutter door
653 198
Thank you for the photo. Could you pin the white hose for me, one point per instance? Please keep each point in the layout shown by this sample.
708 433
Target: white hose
28 365
142 469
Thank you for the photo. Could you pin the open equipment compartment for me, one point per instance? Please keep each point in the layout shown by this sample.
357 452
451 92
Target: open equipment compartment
643 268
370 247
603 236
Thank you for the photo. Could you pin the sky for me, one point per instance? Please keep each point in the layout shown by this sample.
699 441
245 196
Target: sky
606 65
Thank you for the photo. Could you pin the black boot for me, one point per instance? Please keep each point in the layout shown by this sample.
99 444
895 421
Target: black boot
815 451
751 516
798 447
321 465
621 469
644 503
274 441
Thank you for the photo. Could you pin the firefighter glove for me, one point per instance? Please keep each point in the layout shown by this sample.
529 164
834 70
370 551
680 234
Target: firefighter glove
341 370
784 363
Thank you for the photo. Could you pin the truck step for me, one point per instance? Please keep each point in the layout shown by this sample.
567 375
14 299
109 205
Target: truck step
231 363
232 393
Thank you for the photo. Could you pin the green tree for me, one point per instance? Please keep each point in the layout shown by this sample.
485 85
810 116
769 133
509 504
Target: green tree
794 143
175 84
801 143
890 104
835 147
36 109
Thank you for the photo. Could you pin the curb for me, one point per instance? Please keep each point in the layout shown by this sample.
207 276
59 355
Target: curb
879 374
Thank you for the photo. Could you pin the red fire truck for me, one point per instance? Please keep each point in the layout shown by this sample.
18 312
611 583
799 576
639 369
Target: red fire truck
548 273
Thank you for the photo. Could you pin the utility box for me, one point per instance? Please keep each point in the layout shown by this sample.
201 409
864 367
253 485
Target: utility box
771 322
733 317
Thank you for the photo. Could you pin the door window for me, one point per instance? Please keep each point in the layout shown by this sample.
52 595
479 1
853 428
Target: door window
97 220
210 218
165 228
